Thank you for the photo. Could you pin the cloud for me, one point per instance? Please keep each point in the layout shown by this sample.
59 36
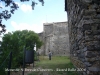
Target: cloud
23 26
1 5
26 8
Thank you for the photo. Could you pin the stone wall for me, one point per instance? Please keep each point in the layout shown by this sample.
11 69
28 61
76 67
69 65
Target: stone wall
41 50
55 38
84 34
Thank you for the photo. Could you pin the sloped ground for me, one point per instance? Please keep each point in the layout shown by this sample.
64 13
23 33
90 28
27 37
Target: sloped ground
54 66
49 67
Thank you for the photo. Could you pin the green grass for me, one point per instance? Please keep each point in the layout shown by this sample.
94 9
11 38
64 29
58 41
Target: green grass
61 62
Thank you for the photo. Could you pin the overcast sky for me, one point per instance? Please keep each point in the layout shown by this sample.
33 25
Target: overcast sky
26 18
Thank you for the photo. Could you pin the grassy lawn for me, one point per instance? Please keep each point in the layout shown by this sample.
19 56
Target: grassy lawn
57 63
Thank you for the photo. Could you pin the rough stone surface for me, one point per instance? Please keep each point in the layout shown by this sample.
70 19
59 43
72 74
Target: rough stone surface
84 34
56 39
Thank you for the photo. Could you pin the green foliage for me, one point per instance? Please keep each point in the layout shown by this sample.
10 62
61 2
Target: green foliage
15 42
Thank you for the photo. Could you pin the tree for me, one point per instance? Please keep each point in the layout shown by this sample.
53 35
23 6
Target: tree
6 14
15 42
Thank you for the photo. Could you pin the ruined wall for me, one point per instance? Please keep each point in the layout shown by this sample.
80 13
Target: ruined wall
84 34
41 50
60 42
55 38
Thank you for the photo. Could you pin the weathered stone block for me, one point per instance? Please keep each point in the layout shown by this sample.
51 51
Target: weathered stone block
88 32
97 37
89 12
97 16
91 48
86 17
96 20
98 10
87 64
81 55
94 68
90 54
96 32
93 6
88 1
85 49
98 58
92 43
97 47
90 59
82 59
89 38
87 27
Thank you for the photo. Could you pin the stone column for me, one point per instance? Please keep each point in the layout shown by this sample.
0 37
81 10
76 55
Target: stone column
84 34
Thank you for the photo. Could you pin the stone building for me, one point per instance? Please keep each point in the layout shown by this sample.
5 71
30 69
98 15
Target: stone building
55 38
84 34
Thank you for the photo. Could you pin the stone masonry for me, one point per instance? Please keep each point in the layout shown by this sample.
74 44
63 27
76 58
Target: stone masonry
55 38
84 34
